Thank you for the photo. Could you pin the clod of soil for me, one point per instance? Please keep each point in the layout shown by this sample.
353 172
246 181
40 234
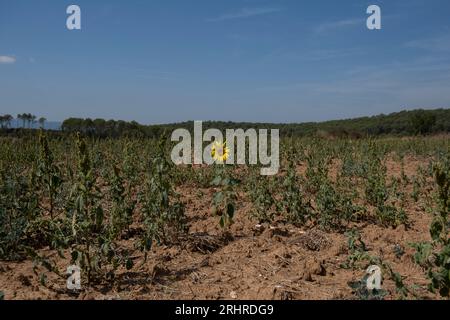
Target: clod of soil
314 240
313 266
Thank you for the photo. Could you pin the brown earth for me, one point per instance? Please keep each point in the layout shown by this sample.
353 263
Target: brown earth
277 261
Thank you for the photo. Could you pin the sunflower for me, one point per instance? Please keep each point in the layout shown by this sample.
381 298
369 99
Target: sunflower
219 152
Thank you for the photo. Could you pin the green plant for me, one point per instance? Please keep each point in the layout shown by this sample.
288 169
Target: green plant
357 250
87 212
130 162
92 247
317 160
224 199
417 186
335 207
423 253
18 208
362 293
164 216
293 203
261 194
121 214
401 289
375 189
360 258
435 256
377 192
360 287
403 176
48 173
388 215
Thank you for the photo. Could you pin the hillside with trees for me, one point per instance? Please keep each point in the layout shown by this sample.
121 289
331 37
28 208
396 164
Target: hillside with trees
399 123
403 123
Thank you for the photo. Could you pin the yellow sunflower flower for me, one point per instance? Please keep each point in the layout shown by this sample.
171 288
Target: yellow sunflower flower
219 152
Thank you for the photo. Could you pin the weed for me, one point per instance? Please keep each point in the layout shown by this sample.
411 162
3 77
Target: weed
164 213
435 256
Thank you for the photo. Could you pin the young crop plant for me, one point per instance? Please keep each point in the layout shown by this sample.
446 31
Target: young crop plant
417 187
18 208
357 250
48 173
360 287
359 257
49 227
352 166
121 215
264 204
224 199
435 256
23 226
318 161
404 177
293 202
130 162
377 192
164 213
349 166
335 207
92 247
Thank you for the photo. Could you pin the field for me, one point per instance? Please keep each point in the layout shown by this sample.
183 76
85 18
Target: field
140 227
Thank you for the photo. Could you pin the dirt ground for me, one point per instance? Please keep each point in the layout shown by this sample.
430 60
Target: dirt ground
277 261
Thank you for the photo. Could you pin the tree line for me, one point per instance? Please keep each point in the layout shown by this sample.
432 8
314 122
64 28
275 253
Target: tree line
28 120
411 122
400 123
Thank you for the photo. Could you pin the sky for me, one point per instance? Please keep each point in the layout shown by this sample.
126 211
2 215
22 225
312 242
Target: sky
164 61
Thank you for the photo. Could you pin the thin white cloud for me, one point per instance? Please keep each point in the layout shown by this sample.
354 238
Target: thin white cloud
351 22
308 56
436 44
322 54
245 13
324 27
7 59
411 83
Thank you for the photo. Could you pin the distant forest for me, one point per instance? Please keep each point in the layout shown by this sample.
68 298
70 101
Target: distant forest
402 123
399 123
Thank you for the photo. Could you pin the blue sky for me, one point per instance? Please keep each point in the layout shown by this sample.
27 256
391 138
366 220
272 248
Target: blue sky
249 60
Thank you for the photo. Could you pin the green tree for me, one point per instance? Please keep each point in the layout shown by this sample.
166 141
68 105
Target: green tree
42 122
8 119
22 117
422 122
